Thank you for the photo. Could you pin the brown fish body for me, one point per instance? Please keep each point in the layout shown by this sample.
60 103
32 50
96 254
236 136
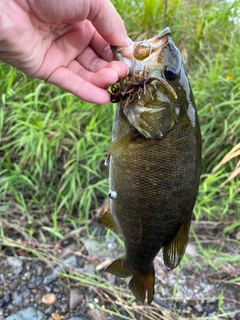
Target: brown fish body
155 160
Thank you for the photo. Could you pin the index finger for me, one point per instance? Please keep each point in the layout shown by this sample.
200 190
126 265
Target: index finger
108 22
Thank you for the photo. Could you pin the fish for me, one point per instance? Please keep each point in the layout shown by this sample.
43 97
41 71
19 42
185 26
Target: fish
154 161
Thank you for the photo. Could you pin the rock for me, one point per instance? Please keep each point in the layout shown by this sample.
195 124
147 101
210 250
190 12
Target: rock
111 278
4 300
96 314
27 275
14 284
198 307
89 268
50 276
210 308
38 268
15 264
56 316
75 298
238 235
49 298
179 296
17 298
51 309
71 260
28 313
63 306
191 249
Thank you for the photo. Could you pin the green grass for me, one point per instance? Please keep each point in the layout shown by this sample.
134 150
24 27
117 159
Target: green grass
52 145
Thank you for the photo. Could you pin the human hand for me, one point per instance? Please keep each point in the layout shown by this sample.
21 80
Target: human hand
65 43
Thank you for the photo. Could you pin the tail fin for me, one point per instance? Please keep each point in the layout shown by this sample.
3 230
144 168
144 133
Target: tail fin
142 285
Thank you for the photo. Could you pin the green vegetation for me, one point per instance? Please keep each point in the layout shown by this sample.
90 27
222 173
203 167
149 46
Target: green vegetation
52 144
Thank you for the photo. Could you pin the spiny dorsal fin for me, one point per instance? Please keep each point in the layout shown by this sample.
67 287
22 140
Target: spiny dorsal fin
174 250
116 147
107 221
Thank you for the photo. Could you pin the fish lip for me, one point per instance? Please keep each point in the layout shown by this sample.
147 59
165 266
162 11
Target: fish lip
163 33
140 53
126 52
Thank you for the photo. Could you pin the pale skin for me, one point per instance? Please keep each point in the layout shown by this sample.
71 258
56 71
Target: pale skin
66 43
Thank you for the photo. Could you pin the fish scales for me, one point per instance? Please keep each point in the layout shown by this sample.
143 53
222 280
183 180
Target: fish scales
152 187
155 161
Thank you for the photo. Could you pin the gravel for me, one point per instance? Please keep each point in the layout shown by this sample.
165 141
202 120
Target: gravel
30 289
36 289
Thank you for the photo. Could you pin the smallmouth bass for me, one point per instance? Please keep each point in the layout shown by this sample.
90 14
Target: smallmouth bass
154 159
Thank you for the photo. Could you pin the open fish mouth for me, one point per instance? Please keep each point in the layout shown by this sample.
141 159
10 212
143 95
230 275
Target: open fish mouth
142 58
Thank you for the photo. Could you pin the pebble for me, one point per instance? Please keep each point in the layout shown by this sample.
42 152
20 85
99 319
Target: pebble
198 308
179 296
51 309
49 298
238 235
75 297
72 261
56 316
96 314
27 314
14 284
15 265
31 289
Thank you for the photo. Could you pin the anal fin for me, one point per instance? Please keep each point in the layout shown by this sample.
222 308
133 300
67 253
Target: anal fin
174 250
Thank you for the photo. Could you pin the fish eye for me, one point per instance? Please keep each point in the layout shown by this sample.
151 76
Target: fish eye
170 73
112 194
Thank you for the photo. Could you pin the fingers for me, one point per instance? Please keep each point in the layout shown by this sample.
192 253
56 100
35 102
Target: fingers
81 43
92 91
90 61
103 78
107 22
101 13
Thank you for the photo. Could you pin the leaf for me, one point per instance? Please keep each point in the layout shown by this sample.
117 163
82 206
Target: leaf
232 175
234 152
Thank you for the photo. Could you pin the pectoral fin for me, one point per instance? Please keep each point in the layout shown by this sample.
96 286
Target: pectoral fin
116 147
107 221
174 250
